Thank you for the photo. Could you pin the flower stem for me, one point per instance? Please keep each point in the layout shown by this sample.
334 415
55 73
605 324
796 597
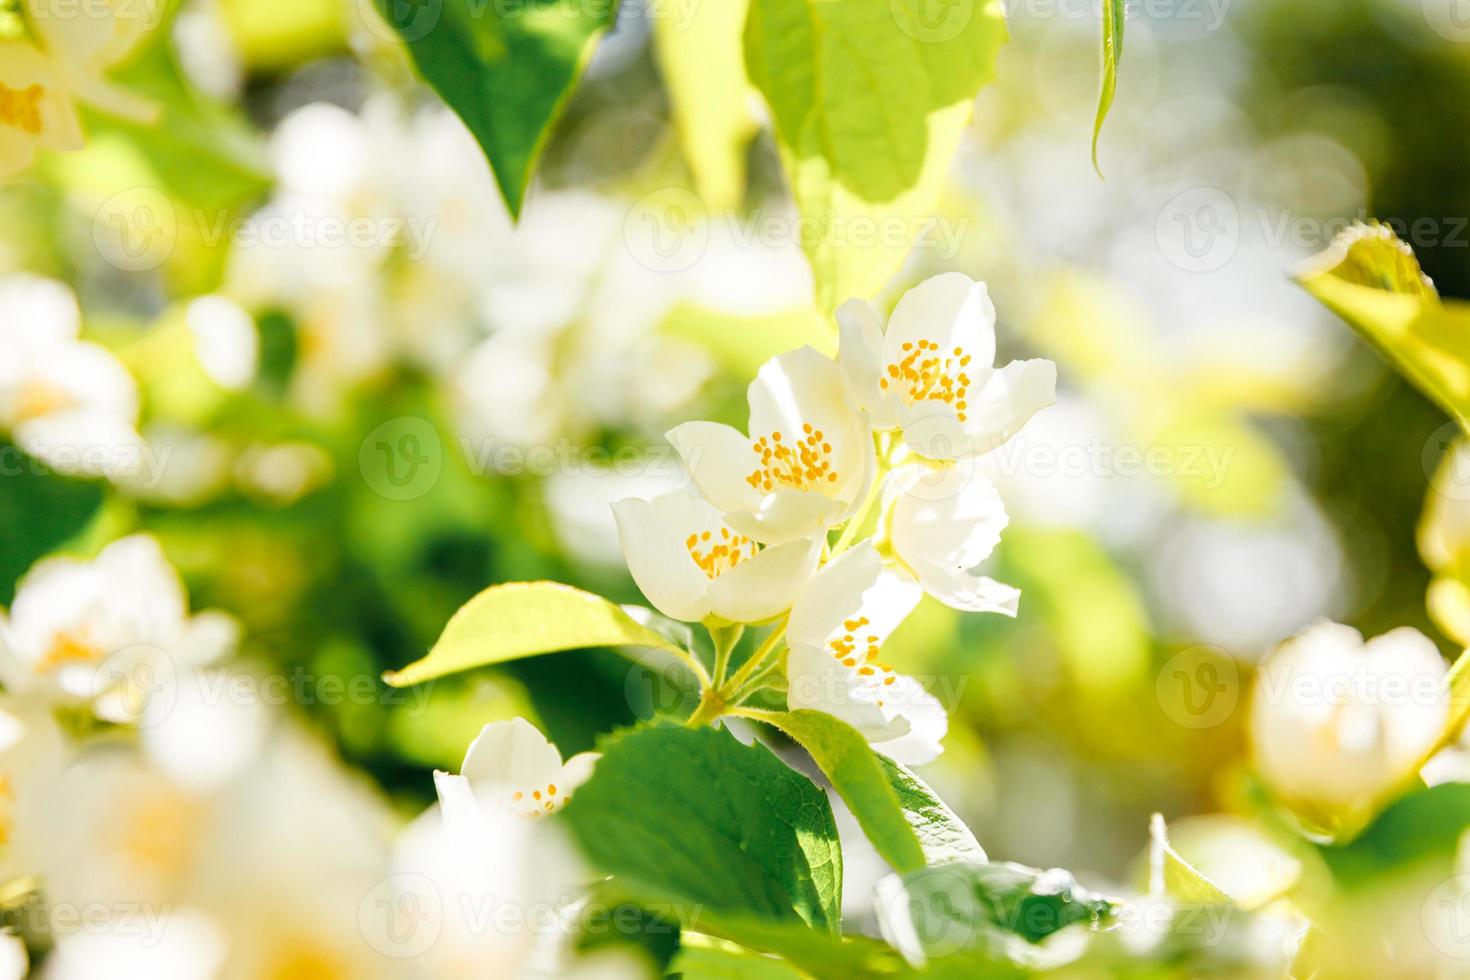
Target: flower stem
711 706
760 658
724 639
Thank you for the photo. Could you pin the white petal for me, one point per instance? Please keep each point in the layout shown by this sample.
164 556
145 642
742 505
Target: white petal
36 311
951 517
1007 401
924 722
950 309
933 429
207 637
787 515
510 755
718 459
968 592
859 353
815 680
763 587
578 770
854 584
653 535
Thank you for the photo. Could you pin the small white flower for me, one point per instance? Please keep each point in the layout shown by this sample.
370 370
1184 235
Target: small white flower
1335 722
941 523
931 372
65 401
807 462
59 60
81 630
695 567
511 767
837 630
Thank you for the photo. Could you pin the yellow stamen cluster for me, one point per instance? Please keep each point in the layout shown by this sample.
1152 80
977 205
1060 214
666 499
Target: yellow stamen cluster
845 648
7 802
69 648
541 800
924 374
716 557
801 465
21 108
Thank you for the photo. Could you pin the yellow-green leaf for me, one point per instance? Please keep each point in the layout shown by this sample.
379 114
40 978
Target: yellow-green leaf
869 100
1114 13
1175 877
1372 280
847 760
698 47
524 619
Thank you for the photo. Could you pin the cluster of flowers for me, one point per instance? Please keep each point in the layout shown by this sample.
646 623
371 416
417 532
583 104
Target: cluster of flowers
885 436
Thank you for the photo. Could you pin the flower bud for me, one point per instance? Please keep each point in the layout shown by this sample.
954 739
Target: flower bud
1337 723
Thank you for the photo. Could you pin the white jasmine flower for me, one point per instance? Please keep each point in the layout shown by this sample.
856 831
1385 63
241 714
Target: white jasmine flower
931 372
695 567
107 630
1336 722
807 462
57 60
511 767
65 401
940 524
837 630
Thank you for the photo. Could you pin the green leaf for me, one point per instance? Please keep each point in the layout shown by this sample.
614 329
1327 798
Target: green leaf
1424 826
730 963
696 816
852 766
1372 280
814 952
869 100
40 511
1176 877
506 68
997 912
698 47
523 619
1114 13
943 836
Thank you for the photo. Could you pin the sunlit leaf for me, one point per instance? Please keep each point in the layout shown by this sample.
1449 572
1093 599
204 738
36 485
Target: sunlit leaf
1175 877
869 100
942 835
693 814
1372 280
505 68
852 766
523 619
699 54
1114 15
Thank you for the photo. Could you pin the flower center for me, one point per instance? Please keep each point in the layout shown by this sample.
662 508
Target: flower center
862 656
924 374
716 557
69 648
21 108
538 801
802 465
38 398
